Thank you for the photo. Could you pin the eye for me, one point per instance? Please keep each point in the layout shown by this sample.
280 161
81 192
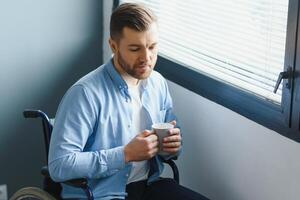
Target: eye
134 49
152 47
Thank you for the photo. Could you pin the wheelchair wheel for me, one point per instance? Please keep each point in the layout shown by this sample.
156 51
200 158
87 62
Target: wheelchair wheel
31 193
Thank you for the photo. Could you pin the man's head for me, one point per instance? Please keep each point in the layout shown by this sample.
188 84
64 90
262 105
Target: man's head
133 39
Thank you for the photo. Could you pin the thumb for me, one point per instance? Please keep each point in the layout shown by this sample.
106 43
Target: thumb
173 123
146 133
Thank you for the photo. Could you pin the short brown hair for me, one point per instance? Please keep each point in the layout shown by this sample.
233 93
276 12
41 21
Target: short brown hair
131 15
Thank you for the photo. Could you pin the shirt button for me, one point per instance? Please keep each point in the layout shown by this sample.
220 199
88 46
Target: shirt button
129 126
127 175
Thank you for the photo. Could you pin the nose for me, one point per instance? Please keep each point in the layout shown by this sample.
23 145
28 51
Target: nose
145 56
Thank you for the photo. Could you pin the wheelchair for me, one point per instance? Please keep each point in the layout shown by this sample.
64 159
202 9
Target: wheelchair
51 190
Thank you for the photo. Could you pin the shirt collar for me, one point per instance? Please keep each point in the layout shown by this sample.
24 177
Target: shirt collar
115 76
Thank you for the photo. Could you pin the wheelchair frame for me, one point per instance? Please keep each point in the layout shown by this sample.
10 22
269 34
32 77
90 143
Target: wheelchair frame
54 188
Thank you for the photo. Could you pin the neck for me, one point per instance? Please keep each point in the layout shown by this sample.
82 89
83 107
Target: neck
127 77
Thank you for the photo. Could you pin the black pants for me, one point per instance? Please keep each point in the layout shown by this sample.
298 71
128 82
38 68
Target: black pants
163 189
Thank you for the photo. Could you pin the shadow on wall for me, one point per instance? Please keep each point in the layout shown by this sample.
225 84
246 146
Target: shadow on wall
41 84
22 148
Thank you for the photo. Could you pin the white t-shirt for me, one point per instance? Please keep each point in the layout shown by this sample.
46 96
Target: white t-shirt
140 169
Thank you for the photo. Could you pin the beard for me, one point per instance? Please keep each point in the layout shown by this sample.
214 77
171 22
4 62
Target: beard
138 70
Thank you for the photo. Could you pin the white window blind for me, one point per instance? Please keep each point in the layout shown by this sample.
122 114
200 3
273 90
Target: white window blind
240 42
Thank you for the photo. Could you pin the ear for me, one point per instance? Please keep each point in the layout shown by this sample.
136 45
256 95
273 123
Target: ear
113 45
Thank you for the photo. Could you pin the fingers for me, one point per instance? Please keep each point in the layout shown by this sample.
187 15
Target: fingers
152 138
172 145
151 142
152 149
174 131
172 138
173 122
153 145
146 133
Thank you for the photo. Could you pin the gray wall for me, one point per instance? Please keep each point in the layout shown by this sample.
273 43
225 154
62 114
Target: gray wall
45 46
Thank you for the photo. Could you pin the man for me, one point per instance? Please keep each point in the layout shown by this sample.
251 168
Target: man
102 128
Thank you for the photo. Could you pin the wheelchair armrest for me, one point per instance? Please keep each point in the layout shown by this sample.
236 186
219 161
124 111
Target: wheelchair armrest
174 168
45 171
79 183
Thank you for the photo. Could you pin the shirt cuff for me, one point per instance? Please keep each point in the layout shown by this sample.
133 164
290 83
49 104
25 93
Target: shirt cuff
116 158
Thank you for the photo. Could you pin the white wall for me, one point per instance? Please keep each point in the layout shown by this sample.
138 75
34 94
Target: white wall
227 156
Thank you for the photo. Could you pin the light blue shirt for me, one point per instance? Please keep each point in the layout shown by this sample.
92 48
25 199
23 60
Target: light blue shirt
94 123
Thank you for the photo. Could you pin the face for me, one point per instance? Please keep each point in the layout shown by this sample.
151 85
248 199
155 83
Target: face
136 52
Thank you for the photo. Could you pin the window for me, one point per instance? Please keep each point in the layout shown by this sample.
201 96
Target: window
232 53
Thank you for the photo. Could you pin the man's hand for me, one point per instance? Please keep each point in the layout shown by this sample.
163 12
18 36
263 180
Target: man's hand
172 143
143 147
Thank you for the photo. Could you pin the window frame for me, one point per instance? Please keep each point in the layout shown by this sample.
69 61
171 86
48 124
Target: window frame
283 118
